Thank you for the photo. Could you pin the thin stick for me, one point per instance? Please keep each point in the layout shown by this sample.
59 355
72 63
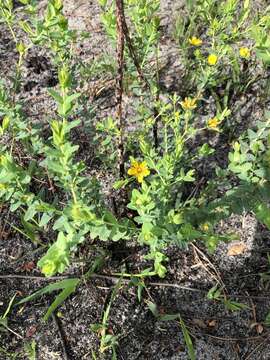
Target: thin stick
257 348
119 83
176 286
132 51
114 278
247 338
13 332
218 277
61 336
31 277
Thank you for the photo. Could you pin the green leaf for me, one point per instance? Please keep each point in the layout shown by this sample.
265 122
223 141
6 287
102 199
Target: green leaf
57 97
97 265
68 286
60 223
30 212
234 306
57 257
120 184
29 230
67 104
267 320
71 125
30 349
153 308
205 150
169 317
3 323
189 177
214 293
8 308
44 219
24 2
188 341
262 213
102 3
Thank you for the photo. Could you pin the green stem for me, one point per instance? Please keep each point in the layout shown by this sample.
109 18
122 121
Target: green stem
11 30
157 171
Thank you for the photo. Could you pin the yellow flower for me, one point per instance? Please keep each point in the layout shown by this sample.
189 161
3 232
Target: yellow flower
195 41
205 227
212 59
188 104
244 52
139 170
213 123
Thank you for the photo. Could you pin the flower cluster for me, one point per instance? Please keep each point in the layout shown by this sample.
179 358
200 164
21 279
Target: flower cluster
212 58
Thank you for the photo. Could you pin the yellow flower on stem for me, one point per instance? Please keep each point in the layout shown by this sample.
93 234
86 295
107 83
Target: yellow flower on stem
213 123
188 103
139 170
244 52
212 59
195 41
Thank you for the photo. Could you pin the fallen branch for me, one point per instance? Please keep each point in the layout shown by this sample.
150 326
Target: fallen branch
62 337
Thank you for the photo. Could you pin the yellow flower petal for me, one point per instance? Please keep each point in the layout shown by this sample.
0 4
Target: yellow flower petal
139 170
244 52
135 163
212 59
188 104
140 178
213 123
147 172
195 41
131 171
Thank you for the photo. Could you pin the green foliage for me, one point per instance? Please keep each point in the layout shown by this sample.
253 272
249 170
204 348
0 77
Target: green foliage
260 34
54 192
249 159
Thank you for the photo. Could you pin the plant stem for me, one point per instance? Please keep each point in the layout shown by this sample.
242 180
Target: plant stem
119 84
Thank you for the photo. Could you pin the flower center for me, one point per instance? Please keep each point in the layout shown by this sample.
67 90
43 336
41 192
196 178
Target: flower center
139 169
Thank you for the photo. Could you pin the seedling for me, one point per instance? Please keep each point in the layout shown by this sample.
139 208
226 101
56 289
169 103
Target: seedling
167 317
215 293
107 339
